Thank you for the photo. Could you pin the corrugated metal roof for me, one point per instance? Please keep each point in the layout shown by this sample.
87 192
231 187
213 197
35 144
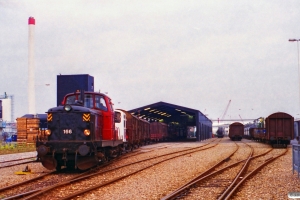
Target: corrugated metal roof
163 110
30 116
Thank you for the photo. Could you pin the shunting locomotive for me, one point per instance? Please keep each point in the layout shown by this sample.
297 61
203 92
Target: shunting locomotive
81 132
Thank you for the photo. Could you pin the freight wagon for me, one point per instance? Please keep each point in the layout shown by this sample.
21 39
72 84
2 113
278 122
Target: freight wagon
258 134
220 132
158 131
279 129
296 129
136 130
236 131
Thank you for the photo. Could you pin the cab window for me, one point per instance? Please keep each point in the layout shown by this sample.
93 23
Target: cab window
71 99
100 103
88 101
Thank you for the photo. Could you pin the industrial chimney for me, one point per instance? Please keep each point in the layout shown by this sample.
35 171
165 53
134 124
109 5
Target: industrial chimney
31 84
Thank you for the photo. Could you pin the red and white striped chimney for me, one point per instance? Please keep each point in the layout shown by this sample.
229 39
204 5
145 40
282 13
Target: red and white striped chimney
31 84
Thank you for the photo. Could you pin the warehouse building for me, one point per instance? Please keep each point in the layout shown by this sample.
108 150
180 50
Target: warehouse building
183 123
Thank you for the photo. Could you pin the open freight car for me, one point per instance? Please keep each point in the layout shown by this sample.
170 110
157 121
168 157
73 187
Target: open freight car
136 130
158 131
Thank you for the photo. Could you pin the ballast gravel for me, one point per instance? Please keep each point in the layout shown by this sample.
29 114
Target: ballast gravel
274 181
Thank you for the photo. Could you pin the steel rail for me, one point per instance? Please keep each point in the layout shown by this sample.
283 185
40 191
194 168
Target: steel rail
17 164
237 177
109 182
202 176
186 185
253 172
16 160
27 181
53 172
122 177
79 176
10 165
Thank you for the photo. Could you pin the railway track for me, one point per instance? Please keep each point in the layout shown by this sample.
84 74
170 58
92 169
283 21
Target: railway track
185 189
33 185
10 163
147 149
251 173
9 190
41 179
136 167
223 182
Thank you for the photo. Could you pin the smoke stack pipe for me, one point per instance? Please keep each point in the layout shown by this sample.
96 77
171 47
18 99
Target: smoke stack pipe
31 83
82 96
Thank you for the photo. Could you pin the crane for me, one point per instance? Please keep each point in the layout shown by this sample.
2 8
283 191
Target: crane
241 118
225 111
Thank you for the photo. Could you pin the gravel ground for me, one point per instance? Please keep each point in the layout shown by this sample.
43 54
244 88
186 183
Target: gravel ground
162 179
8 176
272 182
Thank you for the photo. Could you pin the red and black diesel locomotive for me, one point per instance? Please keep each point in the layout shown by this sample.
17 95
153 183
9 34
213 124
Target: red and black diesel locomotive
81 132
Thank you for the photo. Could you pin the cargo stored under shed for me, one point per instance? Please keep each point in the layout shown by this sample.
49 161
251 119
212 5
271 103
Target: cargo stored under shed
183 123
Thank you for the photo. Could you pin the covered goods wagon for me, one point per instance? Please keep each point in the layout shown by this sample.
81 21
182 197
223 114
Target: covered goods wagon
236 131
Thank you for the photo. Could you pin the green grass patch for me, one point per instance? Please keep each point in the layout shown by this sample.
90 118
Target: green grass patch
9 148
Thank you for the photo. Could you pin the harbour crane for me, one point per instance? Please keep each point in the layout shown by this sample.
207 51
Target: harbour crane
241 118
224 114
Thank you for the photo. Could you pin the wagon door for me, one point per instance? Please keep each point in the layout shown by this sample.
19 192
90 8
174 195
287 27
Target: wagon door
272 128
288 128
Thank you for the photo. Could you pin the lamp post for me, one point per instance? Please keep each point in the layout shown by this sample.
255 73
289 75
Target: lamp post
297 40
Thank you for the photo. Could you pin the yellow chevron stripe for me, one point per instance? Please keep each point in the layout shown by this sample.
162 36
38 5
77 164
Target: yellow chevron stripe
49 117
86 117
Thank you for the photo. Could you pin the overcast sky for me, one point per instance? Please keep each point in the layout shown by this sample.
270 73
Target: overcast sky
194 53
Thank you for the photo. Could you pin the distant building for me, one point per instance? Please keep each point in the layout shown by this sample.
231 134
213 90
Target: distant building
6 108
71 83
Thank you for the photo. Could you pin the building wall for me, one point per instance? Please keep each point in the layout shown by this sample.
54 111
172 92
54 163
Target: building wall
0 109
71 83
204 127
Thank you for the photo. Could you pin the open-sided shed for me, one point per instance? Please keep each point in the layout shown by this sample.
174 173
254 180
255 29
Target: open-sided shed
183 123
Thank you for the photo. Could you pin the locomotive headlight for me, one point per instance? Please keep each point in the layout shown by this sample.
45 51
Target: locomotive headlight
47 132
67 108
86 132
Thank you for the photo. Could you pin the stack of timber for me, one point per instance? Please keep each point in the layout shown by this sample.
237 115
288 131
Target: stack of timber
22 129
27 129
32 129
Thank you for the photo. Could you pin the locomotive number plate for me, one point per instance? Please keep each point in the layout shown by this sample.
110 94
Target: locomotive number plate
67 131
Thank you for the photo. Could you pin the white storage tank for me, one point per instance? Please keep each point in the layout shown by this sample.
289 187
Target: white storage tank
7 109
